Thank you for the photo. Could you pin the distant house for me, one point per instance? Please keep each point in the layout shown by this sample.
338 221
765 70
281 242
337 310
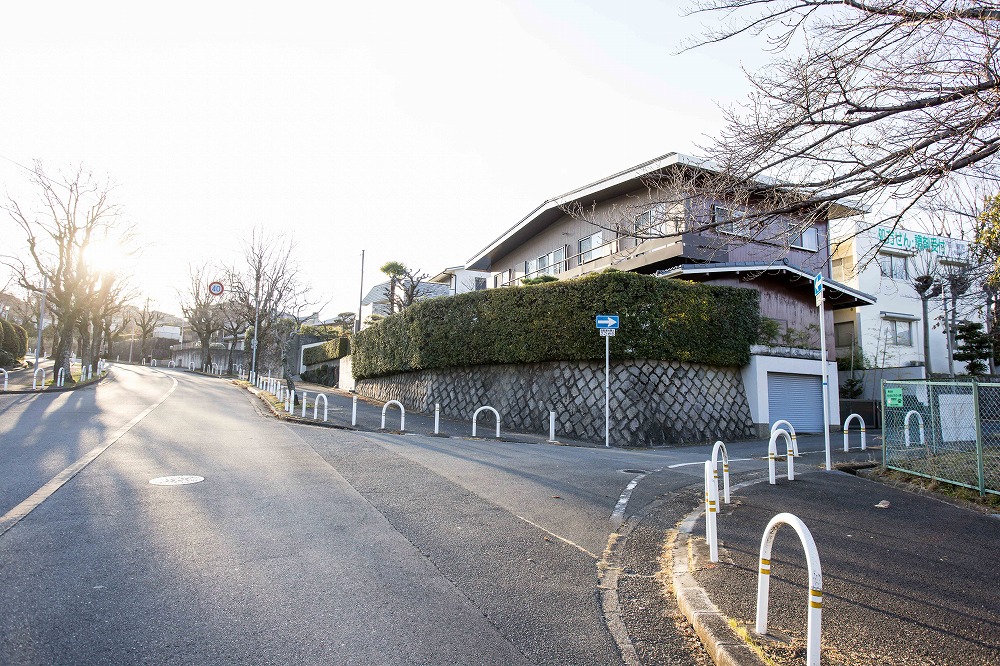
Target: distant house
376 301
702 240
460 279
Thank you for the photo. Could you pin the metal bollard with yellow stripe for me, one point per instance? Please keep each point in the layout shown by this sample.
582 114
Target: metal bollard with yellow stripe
847 425
815 600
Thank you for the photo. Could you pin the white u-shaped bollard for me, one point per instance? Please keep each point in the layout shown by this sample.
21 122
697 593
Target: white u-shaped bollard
61 377
791 431
304 404
152 362
402 414
847 424
552 426
815 601
772 454
34 378
476 416
437 418
290 401
711 509
320 396
725 467
354 410
906 427
4 378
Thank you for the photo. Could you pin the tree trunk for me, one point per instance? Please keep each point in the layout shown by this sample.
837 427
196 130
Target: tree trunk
64 349
927 341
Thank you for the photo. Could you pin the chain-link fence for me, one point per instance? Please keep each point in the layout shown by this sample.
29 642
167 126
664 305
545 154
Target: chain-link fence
949 431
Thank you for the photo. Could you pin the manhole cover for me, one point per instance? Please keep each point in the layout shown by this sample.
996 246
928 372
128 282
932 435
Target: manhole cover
176 480
634 471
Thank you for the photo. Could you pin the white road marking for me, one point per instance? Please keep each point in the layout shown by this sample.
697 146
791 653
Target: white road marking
563 539
14 516
702 462
618 515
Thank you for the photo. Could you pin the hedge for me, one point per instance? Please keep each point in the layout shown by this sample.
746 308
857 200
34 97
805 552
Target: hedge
14 339
660 319
328 351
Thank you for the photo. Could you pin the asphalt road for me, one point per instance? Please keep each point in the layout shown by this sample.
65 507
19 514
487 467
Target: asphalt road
309 545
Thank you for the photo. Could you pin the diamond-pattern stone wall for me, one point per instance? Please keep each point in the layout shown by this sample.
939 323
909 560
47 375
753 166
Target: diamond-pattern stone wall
652 402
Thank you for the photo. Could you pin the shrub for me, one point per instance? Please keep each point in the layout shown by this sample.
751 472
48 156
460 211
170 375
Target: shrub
328 351
22 341
10 342
6 360
660 319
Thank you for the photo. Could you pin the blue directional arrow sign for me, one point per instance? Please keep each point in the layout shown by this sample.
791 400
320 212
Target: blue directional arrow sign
607 322
818 284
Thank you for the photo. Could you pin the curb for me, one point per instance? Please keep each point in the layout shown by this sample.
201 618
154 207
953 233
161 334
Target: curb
722 643
55 389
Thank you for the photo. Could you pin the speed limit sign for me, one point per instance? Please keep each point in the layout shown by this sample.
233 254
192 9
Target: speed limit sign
216 289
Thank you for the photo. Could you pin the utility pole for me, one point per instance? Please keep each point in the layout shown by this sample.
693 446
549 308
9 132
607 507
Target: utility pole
361 296
41 319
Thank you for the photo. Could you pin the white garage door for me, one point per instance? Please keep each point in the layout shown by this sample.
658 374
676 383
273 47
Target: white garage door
796 398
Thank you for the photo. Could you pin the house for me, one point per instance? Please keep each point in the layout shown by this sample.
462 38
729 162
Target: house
376 301
623 222
889 262
460 279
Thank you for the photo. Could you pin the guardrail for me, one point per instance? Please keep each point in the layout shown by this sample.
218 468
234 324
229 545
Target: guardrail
475 416
719 446
791 431
847 424
402 414
711 508
316 406
772 455
34 378
815 599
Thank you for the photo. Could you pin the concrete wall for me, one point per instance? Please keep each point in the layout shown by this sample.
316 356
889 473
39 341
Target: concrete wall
652 402
784 360
346 381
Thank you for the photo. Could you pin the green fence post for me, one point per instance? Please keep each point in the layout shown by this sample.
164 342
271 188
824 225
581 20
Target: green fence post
885 436
979 438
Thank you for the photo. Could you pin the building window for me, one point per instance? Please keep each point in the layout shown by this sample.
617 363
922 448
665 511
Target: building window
503 278
480 283
899 332
843 334
807 239
653 223
590 248
893 266
729 221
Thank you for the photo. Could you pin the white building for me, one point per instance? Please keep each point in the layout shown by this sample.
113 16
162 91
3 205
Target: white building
460 279
884 262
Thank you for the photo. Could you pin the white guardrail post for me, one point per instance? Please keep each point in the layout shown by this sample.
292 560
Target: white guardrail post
906 426
847 424
4 378
437 418
711 507
719 446
304 393
815 600
402 414
772 455
476 415
354 410
320 396
61 377
791 431
552 426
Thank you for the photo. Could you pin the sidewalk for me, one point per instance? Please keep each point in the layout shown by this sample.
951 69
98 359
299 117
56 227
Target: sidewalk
912 583
20 381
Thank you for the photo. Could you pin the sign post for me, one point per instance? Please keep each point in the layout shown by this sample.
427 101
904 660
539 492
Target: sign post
818 291
607 325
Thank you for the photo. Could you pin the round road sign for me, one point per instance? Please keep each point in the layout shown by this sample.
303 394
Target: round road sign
216 289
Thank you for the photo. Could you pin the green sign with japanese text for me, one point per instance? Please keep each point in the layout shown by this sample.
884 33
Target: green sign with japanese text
894 397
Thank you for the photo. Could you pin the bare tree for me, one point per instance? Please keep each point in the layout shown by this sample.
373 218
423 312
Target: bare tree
75 211
263 289
395 270
409 287
884 103
147 320
200 309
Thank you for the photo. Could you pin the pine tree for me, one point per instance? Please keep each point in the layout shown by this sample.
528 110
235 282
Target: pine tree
974 347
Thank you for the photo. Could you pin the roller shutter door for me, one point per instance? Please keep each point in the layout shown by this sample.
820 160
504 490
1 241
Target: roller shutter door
796 398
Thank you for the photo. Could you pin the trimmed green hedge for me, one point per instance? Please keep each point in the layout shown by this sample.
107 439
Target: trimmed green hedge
660 319
328 351
13 339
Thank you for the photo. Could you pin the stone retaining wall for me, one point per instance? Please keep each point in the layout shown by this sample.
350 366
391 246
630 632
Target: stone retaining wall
652 402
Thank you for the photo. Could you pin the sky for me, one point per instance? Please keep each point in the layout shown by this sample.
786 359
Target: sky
417 132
